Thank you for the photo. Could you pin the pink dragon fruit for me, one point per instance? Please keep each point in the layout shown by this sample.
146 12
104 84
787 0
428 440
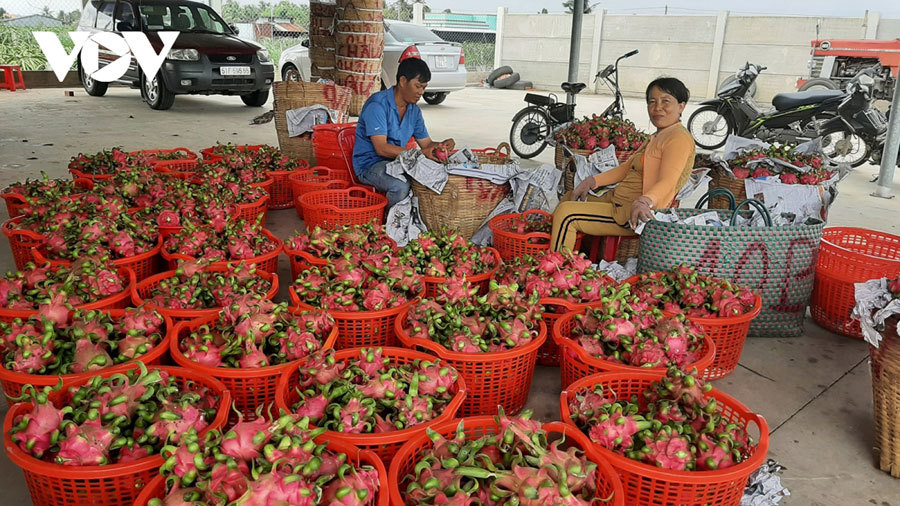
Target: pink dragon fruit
668 450
85 445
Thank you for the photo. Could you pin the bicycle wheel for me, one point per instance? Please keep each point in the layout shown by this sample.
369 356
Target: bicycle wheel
530 132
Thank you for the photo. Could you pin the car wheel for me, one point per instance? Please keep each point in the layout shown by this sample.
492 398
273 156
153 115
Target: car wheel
290 73
93 87
435 98
501 71
256 99
156 94
505 82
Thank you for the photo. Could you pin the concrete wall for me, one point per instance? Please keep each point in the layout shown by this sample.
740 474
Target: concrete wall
699 50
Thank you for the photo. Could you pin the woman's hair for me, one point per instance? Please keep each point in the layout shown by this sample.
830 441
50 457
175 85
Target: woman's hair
672 86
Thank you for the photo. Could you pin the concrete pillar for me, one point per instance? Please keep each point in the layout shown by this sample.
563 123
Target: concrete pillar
873 19
715 60
596 40
418 13
498 37
575 45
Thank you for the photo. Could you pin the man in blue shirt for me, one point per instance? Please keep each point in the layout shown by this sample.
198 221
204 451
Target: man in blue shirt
387 121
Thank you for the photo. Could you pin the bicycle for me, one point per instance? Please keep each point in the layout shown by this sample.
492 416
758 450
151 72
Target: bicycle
535 126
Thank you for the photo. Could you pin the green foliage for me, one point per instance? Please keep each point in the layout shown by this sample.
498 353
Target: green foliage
233 12
479 55
400 10
570 6
276 46
18 46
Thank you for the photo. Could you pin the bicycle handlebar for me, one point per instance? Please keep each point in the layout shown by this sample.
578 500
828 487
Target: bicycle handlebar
630 54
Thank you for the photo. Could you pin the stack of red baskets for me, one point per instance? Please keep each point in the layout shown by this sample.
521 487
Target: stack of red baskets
847 256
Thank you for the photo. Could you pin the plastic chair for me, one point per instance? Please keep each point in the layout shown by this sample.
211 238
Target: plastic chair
10 79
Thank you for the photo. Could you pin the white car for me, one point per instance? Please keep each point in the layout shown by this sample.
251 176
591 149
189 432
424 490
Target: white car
401 40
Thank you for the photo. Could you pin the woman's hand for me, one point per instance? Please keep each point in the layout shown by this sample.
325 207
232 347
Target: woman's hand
581 191
450 144
641 210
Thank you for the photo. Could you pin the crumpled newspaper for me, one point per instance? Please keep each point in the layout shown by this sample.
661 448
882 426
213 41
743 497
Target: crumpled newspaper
413 163
303 119
764 487
712 219
616 270
874 305
530 189
801 200
403 222
699 177
597 162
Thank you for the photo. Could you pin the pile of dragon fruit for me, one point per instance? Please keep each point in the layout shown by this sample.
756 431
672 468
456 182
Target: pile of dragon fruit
265 463
86 280
372 281
629 331
515 465
112 420
446 253
673 425
683 290
192 286
462 321
43 190
137 186
367 394
238 240
568 276
108 161
598 132
357 240
200 203
251 332
50 342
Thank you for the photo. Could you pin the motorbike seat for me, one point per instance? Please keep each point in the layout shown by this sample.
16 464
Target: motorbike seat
540 100
573 88
784 101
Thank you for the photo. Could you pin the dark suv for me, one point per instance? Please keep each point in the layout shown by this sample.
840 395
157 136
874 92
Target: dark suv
207 58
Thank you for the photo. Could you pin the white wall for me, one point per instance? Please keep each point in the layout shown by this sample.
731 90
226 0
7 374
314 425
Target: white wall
537 47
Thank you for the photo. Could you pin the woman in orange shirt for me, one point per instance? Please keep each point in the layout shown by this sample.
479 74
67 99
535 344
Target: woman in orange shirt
648 180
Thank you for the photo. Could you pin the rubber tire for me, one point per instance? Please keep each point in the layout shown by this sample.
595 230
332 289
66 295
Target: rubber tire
97 89
521 85
708 108
731 79
819 82
506 69
435 98
165 98
287 68
520 114
256 99
506 82
867 149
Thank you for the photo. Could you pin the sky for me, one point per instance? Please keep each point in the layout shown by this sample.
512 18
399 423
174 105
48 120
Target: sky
888 8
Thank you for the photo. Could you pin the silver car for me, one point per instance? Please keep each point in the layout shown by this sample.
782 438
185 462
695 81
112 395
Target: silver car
401 40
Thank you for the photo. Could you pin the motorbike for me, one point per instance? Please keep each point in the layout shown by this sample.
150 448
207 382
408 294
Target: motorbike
534 126
858 127
794 118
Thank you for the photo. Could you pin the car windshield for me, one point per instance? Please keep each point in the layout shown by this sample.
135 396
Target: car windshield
193 18
412 33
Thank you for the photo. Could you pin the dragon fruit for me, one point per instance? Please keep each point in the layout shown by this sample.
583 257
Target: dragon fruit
445 253
238 240
683 290
568 276
36 431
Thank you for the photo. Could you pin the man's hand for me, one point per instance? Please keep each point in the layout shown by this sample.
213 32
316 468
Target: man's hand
641 210
580 192
429 152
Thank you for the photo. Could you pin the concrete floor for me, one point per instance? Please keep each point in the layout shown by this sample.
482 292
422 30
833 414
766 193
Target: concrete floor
813 390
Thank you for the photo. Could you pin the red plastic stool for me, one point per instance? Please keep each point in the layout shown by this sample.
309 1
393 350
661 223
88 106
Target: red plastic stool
9 77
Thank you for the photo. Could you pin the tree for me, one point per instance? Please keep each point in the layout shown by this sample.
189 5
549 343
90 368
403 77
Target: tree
448 11
2 12
544 11
570 6
46 12
400 10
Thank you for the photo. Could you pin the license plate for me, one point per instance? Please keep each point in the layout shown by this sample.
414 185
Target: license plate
234 71
442 62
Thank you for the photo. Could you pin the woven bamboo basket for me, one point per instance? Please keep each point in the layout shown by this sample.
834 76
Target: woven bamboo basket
358 26
567 164
498 156
321 26
560 156
324 72
322 41
292 95
722 179
359 45
352 12
361 4
322 56
464 204
885 362
368 66
320 8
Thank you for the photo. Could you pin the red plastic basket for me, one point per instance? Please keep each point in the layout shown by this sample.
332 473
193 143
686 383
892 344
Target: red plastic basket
331 209
77 174
360 329
281 195
115 484
648 485
143 289
12 382
143 265
210 157
182 167
250 388
512 244
16 202
482 281
500 378
326 146
301 260
576 363
315 178
548 354
267 261
252 210
21 242
848 256
386 444
156 489
608 483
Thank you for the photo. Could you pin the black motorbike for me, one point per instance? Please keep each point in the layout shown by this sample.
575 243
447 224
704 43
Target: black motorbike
859 129
795 117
